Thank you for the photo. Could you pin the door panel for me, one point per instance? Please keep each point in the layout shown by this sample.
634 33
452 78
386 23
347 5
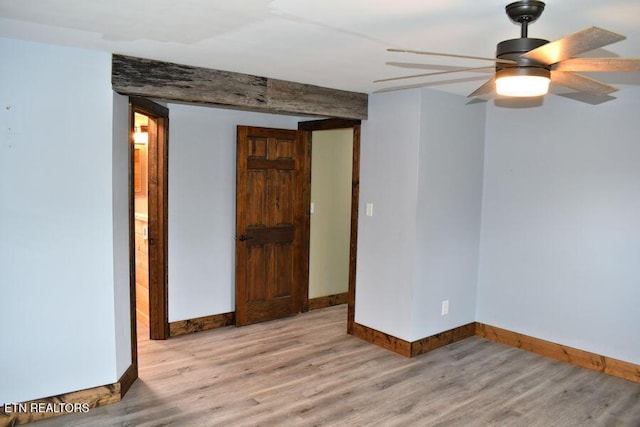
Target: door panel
269 215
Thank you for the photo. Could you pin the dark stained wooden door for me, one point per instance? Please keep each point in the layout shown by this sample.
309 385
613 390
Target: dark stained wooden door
269 213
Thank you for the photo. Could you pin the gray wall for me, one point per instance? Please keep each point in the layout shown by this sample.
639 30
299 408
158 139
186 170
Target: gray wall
202 200
60 278
387 240
120 182
422 168
560 254
449 206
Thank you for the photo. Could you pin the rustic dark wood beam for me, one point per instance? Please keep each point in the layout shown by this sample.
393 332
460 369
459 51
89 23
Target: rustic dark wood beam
174 82
328 124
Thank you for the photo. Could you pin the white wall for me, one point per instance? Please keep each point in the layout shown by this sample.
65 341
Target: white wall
330 229
449 207
202 178
561 224
121 279
56 221
387 240
421 166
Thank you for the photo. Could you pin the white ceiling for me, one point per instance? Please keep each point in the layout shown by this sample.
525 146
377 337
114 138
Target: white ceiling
333 43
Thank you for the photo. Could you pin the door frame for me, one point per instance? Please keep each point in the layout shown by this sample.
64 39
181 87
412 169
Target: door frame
308 128
157 154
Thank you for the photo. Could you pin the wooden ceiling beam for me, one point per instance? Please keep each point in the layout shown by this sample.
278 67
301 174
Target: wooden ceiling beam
183 83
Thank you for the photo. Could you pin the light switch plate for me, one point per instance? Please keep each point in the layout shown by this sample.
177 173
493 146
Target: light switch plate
445 307
369 209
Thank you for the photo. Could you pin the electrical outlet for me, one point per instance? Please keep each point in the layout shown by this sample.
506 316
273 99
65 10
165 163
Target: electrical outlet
445 307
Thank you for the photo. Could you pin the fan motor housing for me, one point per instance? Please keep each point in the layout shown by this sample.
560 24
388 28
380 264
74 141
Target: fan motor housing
513 49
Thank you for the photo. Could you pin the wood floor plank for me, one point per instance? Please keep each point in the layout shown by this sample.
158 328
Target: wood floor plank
306 371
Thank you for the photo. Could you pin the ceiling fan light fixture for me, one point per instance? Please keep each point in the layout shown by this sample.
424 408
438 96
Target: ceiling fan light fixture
522 82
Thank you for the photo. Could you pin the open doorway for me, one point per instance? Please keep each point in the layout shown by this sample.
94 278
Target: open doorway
330 212
148 124
141 221
354 127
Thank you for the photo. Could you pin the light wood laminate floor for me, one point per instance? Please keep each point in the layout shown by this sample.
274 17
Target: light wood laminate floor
306 371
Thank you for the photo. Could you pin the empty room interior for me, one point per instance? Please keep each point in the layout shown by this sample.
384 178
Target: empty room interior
279 212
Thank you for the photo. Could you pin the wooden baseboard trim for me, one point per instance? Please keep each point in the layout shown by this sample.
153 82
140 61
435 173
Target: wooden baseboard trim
199 324
127 379
432 342
62 404
328 301
382 339
584 359
413 348
67 403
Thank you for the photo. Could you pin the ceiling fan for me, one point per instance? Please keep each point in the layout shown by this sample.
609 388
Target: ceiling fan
525 67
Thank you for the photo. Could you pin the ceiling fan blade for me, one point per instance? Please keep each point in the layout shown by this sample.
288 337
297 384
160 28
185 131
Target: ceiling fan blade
450 55
581 83
486 89
438 67
437 73
572 45
432 83
599 64
587 98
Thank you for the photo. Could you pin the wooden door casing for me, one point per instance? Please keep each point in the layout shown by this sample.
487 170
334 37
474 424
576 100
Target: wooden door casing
158 173
269 214
329 124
